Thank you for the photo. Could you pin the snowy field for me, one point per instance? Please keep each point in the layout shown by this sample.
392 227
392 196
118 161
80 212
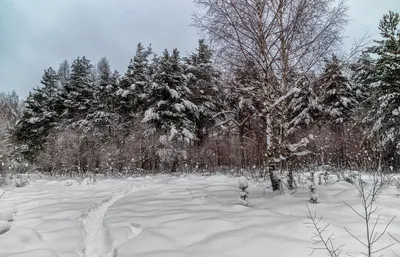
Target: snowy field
178 216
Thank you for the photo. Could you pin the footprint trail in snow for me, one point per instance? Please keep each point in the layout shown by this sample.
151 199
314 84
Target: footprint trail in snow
97 239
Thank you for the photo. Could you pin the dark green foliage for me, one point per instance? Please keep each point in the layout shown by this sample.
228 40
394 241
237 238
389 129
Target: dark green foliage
40 116
203 84
381 79
337 97
168 104
78 93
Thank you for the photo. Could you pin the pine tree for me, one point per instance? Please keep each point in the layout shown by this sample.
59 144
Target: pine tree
169 110
78 93
337 102
102 113
362 75
40 116
140 75
64 73
168 102
302 105
336 94
202 82
384 82
51 91
133 85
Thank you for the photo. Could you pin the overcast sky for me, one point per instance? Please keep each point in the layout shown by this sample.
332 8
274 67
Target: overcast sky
36 34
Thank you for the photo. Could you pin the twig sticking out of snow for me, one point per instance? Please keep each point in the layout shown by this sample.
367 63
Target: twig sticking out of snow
2 194
369 193
190 192
319 236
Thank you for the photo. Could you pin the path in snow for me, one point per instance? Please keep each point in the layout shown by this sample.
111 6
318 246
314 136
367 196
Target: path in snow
97 240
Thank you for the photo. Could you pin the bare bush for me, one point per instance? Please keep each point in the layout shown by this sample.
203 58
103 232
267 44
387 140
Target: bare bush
369 191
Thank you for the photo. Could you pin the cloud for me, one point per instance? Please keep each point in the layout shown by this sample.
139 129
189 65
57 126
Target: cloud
42 33
365 16
36 34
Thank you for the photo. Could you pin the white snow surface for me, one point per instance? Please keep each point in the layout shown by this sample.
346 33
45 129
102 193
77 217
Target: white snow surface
179 216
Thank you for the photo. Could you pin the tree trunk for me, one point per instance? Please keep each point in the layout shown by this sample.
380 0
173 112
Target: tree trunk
275 183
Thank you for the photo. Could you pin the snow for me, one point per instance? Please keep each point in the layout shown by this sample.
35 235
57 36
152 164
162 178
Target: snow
5 226
34 120
172 133
187 133
123 93
150 115
174 93
192 215
6 214
243 183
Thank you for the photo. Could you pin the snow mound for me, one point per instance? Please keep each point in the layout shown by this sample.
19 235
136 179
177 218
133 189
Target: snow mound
4 227
23 238
243 202
243 183
36 253
6 215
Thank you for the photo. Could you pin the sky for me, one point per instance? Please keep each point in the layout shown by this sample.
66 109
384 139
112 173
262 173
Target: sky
37 34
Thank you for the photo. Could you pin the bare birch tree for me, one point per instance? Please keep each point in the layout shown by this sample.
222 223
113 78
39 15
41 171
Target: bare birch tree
279 37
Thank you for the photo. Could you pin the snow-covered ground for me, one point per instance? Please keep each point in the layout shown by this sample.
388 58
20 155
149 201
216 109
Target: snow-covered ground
177 216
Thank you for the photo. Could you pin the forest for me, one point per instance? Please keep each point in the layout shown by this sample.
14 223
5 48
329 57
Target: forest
270 89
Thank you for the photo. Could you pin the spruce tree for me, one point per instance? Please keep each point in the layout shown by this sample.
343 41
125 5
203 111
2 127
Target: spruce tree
134 83
169 110
336 94
102 112
78 93
383 81
64 73
337 102
41 114
302 104
202 82
168 103
362 75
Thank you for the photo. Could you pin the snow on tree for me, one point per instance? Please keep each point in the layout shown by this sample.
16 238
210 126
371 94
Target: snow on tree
168 104
337 102
131 93
102 112
78 93
203 83
40 116
10 113
169 109
64 73
362 75
257 33
239 108
337 98
302 104
383 81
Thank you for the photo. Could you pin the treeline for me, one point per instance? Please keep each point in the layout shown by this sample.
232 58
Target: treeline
169 113
88 118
